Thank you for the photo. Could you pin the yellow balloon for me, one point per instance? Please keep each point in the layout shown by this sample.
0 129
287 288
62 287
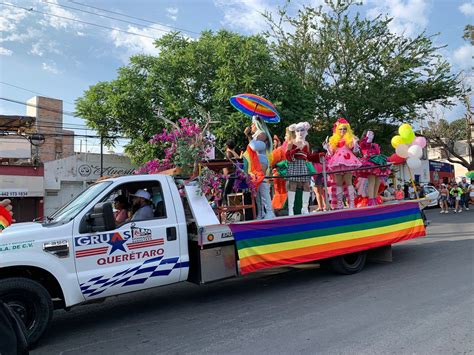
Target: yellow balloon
407 137
404 129
396 141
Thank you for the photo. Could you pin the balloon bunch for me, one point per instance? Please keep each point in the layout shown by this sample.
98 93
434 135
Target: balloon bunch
407 147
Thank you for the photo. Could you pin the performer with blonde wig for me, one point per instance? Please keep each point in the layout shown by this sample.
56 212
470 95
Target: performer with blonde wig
341 148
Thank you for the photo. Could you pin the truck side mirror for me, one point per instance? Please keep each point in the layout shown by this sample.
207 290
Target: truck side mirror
101 219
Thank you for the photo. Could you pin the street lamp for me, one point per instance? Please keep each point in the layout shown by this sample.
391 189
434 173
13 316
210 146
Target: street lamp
36 139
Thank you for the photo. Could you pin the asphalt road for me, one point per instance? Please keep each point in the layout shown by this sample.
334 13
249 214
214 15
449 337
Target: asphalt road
421 303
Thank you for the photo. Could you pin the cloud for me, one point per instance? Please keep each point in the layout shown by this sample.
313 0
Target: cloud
245 15
51 67
463 57
5 51
58 22
134 44
467 8
21 36
10 26
409 16
10 17
43 46
172 13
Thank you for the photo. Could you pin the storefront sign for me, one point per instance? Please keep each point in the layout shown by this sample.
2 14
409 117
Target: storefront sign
441 166
86 170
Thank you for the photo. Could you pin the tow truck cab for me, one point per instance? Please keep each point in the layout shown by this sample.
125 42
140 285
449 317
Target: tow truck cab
79 254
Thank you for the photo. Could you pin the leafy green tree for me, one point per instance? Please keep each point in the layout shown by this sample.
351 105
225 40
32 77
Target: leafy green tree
187 79
343 64
468 34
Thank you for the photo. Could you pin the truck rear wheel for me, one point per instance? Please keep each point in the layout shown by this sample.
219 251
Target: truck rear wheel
31 302
348 264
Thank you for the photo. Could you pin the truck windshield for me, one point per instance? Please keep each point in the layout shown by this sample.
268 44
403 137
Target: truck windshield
70 210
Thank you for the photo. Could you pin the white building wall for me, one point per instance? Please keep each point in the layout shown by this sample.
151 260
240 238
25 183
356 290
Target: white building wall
66 178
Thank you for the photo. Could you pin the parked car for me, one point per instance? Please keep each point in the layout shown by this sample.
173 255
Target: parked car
432 194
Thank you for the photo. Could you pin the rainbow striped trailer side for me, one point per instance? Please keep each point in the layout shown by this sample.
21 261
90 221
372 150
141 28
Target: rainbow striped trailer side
287 241
340 238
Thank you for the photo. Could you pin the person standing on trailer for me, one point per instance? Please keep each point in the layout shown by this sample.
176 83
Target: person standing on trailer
371 158
299 155
341 148
258 157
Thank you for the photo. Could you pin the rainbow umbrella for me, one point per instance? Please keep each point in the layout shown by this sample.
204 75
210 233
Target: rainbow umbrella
251 104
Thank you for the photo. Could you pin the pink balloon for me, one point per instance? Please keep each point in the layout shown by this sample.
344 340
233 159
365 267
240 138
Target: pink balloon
421 141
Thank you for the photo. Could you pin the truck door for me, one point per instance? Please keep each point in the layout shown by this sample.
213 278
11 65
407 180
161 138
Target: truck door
138 254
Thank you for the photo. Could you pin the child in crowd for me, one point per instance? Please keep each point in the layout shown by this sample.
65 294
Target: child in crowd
399 194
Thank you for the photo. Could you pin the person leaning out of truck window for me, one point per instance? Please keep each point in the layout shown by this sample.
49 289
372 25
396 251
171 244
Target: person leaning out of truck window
121 207
456 192
142 201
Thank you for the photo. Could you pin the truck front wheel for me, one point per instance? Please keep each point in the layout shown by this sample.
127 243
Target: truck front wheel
348 264
31 302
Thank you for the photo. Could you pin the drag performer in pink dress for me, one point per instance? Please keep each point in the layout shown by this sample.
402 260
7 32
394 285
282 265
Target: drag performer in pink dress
341 148
371 157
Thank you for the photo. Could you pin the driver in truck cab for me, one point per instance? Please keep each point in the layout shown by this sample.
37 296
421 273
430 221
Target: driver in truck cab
142 200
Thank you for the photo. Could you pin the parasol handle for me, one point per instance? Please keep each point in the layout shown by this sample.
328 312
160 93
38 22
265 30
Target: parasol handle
255 109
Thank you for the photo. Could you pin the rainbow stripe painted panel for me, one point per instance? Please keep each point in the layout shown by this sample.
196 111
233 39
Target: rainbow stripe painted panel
287 241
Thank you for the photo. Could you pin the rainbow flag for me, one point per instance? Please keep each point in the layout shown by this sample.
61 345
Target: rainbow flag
285 241
5 218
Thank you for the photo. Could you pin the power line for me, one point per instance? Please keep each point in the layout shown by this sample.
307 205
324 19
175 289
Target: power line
34 92
51 110
116 19
70 135
76 20
57 124
52 124
133 17
79 135
67 113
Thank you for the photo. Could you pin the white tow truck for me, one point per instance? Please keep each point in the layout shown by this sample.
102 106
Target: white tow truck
79 254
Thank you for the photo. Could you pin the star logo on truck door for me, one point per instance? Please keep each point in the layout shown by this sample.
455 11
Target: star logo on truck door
117 242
